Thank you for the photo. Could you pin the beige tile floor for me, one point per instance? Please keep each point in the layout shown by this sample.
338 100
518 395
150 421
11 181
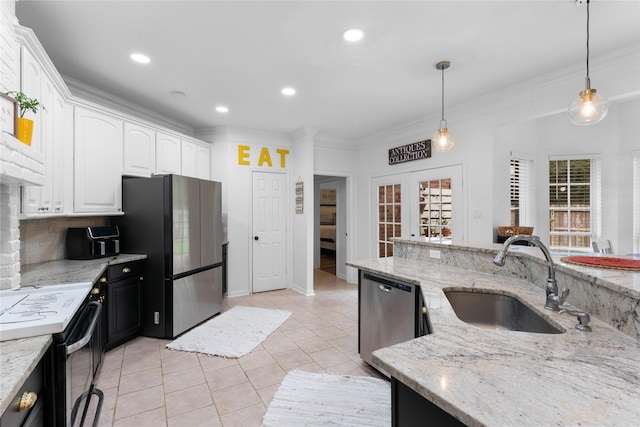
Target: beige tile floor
145 384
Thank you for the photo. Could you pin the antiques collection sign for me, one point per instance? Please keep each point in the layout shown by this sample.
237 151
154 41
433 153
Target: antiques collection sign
407 153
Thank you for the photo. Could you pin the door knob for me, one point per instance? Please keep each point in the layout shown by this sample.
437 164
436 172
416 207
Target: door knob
255 237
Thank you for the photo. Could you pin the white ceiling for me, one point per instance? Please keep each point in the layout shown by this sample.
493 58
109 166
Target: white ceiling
240 54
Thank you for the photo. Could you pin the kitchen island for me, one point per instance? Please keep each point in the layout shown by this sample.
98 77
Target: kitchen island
491 377
19 357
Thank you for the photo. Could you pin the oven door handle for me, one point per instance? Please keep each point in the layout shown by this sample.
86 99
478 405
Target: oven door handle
87 337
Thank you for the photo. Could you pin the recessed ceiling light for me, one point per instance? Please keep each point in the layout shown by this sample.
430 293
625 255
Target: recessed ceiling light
353 35
288 91
222 109
142 59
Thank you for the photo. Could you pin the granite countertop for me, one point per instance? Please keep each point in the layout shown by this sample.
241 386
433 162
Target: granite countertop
19 357
487 377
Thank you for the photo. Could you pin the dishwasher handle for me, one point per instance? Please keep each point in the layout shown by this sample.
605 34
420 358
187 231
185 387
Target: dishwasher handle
387 285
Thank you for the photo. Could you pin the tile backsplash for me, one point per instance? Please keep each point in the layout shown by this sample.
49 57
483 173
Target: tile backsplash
42 240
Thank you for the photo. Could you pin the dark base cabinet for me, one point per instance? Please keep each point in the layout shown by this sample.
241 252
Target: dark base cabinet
122 303
409 409
39 384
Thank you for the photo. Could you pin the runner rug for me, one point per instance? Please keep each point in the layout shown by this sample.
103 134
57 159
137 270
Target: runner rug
233 333
313 399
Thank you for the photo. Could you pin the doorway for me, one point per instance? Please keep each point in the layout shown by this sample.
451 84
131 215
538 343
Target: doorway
427 203
270 201
330 224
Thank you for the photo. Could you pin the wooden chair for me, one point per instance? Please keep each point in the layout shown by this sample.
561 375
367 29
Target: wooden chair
603 247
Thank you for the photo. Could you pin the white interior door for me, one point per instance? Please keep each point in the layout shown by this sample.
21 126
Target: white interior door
269 231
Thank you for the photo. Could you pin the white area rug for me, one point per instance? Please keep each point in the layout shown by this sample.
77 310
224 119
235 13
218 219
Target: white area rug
233 333
311 399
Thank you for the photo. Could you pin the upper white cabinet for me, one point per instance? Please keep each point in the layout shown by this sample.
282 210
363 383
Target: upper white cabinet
168 154
31 84
189 159
139 150
204 161
98 149
195 159
50 134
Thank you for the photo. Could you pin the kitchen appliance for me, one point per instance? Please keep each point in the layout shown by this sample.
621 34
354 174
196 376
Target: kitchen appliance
71 313
77 358
390 312
177 222
92 242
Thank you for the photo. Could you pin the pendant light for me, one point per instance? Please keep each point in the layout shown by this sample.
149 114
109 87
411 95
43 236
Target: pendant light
442 140
589 107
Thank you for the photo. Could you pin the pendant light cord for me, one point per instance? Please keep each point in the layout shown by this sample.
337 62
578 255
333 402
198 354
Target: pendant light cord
588 1
442 119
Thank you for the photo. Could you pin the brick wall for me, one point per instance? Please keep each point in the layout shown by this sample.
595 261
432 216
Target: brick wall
9 236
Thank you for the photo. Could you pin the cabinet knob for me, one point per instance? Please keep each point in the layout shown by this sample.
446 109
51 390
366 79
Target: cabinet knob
126 270
27 401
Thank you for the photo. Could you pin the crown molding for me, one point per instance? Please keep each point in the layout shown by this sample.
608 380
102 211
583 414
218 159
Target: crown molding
244 135
27 39
86 92
545 95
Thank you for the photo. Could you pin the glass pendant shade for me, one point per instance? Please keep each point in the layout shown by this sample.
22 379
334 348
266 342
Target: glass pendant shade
443 139
589 107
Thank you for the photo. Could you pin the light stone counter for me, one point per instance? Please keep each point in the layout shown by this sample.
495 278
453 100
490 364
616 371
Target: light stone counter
19 357
487 377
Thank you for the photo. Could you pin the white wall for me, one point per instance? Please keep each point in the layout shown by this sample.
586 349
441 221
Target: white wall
237 193
530 116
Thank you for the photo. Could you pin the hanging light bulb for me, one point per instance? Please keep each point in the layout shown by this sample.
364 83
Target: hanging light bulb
442 140
589 107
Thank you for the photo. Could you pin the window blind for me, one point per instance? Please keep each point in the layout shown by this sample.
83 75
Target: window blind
636 202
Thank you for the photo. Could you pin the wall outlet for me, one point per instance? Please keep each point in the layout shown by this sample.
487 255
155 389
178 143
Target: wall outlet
156 317
434 254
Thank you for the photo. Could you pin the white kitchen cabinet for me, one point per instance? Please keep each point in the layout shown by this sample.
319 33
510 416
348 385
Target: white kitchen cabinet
139 150
189 159
204 161
48 138
168 154
98 153
195 160
31 84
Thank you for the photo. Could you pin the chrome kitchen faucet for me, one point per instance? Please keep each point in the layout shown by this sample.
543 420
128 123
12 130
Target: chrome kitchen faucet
554 301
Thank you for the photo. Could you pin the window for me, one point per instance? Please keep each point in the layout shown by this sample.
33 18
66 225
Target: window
389 217
520 192
636 202
574 202
435 209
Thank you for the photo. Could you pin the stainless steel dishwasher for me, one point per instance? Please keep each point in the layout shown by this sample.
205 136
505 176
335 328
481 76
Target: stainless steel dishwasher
390 312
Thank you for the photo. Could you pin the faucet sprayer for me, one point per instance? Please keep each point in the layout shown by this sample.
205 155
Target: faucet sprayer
553 301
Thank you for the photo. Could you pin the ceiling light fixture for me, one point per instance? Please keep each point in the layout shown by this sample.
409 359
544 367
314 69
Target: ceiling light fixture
140 58
589 107
353 35
443 140
222 109
288 91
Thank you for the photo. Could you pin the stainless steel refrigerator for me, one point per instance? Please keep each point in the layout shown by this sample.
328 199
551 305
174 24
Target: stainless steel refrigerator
176 221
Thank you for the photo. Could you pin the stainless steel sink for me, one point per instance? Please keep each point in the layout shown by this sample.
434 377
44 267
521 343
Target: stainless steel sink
498 311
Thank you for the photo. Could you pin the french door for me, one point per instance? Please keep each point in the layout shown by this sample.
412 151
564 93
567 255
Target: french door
427 203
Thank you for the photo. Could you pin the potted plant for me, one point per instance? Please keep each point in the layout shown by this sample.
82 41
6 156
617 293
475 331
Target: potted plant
446 231
25 126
